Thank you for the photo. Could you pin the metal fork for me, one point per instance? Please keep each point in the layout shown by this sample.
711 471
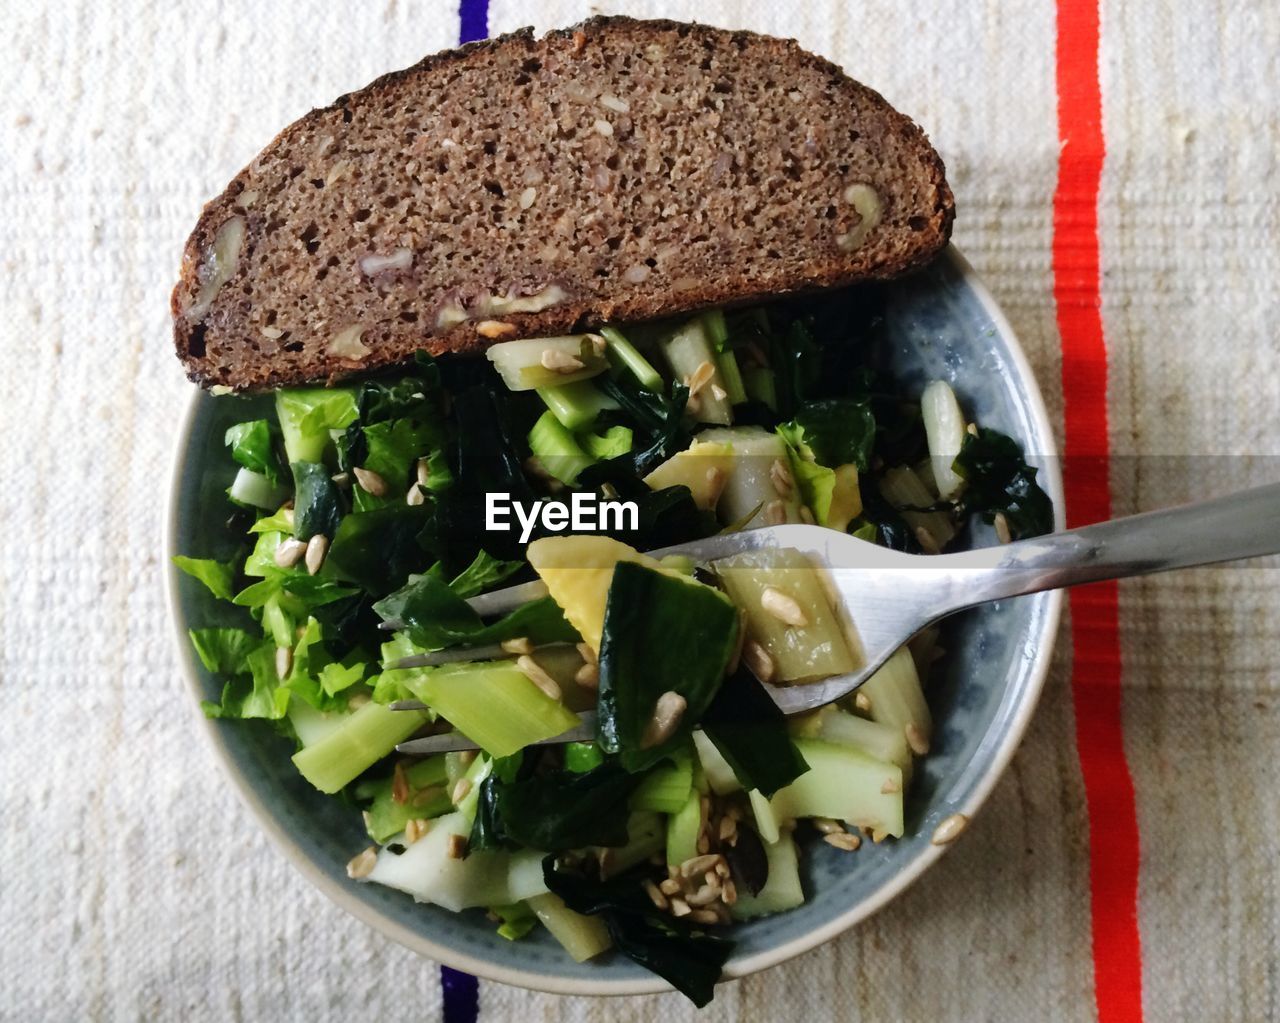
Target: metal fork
889 596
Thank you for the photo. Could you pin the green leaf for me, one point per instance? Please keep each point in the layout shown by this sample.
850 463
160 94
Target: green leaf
613 442
484 573
316 505
436 617
998 479
253 446
564 809
660 634
750 731
262 696
688 958
308 591
224 651
308 414
837 431
336 677
392 451
216 575
279 522
377 550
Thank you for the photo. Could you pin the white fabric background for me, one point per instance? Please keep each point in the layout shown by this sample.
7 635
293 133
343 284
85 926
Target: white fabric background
133 885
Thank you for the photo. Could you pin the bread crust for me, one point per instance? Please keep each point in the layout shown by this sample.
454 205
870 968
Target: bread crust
217 349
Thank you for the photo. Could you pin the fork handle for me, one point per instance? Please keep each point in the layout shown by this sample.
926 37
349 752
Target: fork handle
1241 525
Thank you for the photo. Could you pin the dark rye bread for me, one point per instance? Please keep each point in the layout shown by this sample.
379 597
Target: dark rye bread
620 170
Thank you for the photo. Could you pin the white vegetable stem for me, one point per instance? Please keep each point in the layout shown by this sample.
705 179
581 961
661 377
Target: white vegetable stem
944 428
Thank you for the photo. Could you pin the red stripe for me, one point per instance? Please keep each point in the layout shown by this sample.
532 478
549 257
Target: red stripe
1095 681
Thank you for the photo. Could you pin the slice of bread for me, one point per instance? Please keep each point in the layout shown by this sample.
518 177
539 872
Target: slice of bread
620 170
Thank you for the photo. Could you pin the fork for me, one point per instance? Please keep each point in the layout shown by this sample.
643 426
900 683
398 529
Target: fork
889 596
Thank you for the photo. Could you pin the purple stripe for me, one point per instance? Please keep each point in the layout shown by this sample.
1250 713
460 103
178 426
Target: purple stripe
461 991
473 18
461 996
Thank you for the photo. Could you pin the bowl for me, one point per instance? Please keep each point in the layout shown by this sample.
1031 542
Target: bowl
941 322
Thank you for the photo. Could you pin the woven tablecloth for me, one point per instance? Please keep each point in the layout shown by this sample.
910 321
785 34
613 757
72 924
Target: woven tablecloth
1115 178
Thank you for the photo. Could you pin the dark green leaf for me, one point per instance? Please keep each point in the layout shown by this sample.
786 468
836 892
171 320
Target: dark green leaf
253 446
660 634
561 809
658 431
839 431
484 573
998 479
435 617
316 505
688 958
750 732
893 529
378 549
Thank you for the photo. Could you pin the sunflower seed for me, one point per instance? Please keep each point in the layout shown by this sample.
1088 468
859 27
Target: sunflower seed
371 482
456 849
916 739
588 676
949 829
843 840
534 672
560 362
461 789
517 645
665 719
679 907
415 829
783 482
1002 528
827 826
317 548
783 607
700 864
704 916
284 661
656 896
415 496
362 864
758 660
289 552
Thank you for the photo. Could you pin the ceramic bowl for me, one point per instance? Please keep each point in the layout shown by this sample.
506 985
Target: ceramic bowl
941 323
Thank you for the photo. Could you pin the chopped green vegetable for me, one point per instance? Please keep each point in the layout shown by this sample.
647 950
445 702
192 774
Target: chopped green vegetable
517 920
307 417
688 958
666 788
998 480
492 703
662 632
576 405
317 509
557 449
628 356
253 447
367 736
217 576
581 757
751 734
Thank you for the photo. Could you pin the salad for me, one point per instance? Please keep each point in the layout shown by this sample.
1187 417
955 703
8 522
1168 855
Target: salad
358 519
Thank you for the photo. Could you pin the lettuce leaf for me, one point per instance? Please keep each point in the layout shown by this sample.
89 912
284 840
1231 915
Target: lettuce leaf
216 575
252 445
